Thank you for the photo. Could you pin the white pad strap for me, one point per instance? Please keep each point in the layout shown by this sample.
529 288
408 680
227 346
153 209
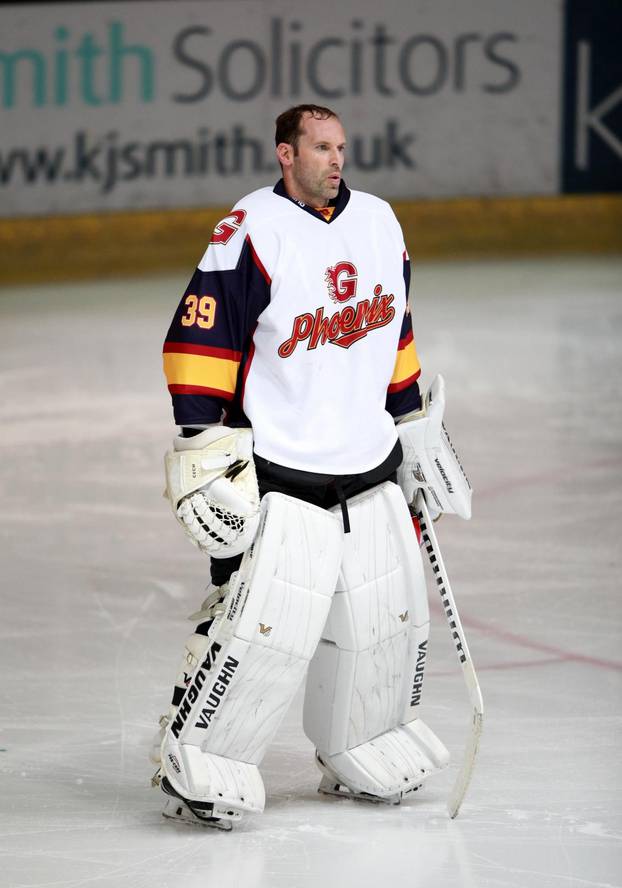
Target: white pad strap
258 654
430 462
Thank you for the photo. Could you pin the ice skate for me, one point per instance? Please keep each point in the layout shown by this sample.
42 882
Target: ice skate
330 784
196 813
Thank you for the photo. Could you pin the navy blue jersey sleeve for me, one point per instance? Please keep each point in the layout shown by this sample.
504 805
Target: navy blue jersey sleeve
210 337
403 394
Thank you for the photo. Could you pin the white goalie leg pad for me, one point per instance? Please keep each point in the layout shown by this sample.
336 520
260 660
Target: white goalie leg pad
365 680
258 654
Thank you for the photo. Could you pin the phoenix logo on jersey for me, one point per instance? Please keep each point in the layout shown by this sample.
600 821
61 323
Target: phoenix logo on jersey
344 327
341 280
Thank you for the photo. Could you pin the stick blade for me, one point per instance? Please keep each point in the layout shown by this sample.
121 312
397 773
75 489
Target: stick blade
468 763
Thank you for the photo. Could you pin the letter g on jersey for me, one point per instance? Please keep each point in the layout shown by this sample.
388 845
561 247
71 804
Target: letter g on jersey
341 280
227 227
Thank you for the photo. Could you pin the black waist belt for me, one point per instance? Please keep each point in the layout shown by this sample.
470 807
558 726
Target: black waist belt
326 490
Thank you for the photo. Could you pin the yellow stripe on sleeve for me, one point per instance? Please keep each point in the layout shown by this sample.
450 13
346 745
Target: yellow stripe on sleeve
406 364
201 371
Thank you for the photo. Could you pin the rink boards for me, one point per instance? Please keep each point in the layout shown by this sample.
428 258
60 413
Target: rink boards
41 249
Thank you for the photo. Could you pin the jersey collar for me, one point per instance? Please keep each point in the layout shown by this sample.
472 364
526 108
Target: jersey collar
339 203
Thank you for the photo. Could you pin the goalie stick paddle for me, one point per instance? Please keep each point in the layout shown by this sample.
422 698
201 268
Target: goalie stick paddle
430 542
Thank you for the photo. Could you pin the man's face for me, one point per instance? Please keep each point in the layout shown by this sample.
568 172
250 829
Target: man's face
313 173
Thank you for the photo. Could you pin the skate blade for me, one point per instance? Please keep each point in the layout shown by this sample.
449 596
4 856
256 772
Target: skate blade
205 814
331 787
174 809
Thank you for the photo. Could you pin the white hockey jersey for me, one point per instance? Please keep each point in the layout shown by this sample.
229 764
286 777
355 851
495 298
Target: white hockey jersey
299 325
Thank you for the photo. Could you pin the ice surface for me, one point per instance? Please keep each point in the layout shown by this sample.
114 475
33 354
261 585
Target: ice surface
98 580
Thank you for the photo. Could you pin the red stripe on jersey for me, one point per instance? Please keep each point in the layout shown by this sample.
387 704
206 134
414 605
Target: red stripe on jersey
258 261
417 527
199 390
210 351
398 386
406 340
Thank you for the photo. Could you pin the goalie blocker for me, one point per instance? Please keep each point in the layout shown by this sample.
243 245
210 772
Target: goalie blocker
430 463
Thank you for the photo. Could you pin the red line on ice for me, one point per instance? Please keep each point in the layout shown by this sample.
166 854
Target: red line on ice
530 644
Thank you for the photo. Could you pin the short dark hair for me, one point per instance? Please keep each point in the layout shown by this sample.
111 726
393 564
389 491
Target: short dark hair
288 124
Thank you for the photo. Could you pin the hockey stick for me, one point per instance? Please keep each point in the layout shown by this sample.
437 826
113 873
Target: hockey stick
463 779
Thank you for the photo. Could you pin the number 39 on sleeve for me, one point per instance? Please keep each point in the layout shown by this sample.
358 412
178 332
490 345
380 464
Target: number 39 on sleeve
200 311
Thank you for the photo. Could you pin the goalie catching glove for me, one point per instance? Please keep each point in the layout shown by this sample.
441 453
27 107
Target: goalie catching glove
212 487
430 462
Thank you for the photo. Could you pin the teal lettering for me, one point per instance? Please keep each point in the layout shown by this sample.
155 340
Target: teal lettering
87 70
8 63
61 79
87 52
118 52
